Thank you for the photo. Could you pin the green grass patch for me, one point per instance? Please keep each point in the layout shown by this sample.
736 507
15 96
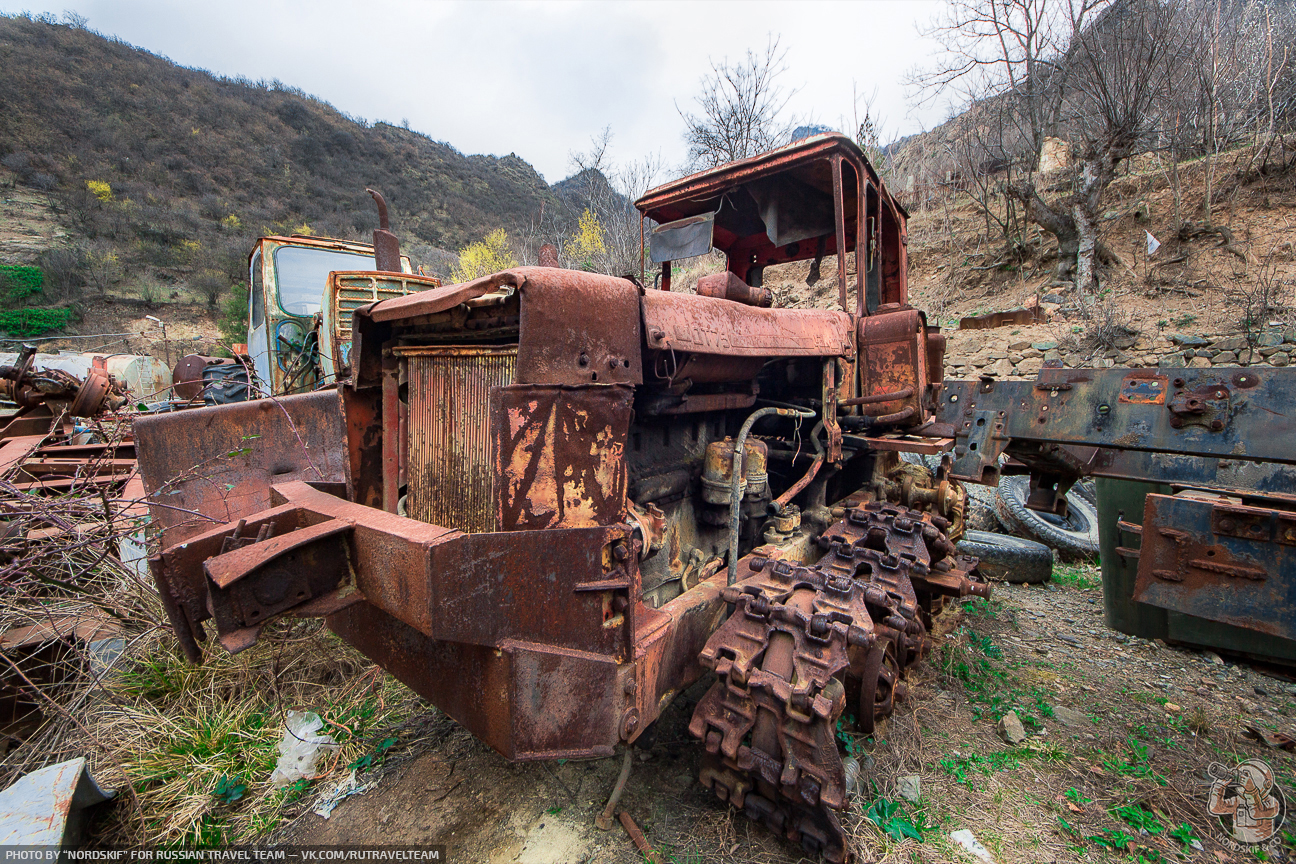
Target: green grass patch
1081 577
962 767
33 322
18 282
897 821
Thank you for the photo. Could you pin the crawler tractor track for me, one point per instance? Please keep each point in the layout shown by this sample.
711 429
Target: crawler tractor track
802 644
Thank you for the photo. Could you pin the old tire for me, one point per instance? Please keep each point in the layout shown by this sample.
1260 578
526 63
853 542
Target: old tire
1076 536
1012 559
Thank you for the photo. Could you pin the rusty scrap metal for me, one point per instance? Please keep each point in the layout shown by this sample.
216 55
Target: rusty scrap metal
991 320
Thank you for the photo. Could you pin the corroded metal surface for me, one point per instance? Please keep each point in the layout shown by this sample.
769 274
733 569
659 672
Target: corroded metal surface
893 358
802 644
689 323
214 465
559 455
449 445
1214 557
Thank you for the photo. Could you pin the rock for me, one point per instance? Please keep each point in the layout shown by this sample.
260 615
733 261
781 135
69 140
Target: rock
1019 346
1053 298
1269 340
1044 346
1290 335
1260 691
909 787
1011 729
1269 351
1279 360
1233 343
1052 356
1171 708
1030 366
1069 716
997 354
1248 706
1176 359
1225 357
1070 640
1125 340
1213 658
1014 358
1246 356
1104 363
1034 352
1188 341
1199 363
1000 368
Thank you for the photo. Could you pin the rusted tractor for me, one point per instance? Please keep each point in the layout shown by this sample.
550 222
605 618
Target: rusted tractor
550 500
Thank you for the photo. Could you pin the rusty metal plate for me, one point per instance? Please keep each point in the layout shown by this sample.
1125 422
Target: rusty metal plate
214 465
526 701
1147 388
578 328
559 455
893 359
1209 557
705 325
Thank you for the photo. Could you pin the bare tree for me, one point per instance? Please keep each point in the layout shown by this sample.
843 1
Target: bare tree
608 190
1124 67
742 107
1013 50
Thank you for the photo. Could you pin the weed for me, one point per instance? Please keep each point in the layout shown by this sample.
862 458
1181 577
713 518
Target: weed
958 767
1137 816
896 822
1077 576
229 789
1136 765
553 811
1184 834
375 757
1073 795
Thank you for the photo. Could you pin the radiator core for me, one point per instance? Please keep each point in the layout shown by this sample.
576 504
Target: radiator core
449 468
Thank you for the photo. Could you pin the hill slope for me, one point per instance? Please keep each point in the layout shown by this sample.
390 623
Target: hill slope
191 157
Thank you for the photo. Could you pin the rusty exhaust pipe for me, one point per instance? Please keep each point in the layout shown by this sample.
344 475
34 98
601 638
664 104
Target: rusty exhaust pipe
387 257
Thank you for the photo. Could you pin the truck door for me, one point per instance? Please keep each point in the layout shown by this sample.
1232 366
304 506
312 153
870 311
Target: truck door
258 329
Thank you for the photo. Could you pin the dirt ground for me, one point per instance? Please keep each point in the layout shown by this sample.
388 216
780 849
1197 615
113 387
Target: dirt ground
1148 721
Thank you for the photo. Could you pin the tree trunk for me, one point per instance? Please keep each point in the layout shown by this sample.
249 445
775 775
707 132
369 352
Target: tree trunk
1059 223
1087 242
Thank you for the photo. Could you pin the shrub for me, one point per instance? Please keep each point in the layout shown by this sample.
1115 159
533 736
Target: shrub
64 269
100 189
487 256
233 321
18 282
33 322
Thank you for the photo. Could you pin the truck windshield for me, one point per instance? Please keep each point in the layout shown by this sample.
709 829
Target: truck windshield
302 274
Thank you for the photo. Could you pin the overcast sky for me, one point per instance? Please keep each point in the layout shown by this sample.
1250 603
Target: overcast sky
535 78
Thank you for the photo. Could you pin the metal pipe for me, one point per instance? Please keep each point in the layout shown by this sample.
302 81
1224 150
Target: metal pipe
735 481
786 498
604 821
877 397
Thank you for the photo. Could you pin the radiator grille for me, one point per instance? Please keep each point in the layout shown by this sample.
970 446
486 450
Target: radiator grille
449 469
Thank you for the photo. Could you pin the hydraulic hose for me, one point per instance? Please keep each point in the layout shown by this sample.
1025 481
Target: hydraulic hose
735 482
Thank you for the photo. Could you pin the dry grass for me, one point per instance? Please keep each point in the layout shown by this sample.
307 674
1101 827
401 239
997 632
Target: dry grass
189 748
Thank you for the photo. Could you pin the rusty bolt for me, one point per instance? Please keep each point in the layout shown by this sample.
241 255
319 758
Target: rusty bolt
1227 525
1176 422
619 604
629 723
620 552
656 334
613 362
584 359
1217 425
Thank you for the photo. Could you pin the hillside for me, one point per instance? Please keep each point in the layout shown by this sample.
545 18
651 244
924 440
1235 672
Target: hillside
197 166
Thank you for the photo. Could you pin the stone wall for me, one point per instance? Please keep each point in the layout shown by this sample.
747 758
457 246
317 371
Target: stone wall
1004 353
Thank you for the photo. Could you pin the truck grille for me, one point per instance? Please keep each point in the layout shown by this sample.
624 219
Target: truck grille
449 469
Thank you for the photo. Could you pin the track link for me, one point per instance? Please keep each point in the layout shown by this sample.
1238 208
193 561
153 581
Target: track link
801 644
